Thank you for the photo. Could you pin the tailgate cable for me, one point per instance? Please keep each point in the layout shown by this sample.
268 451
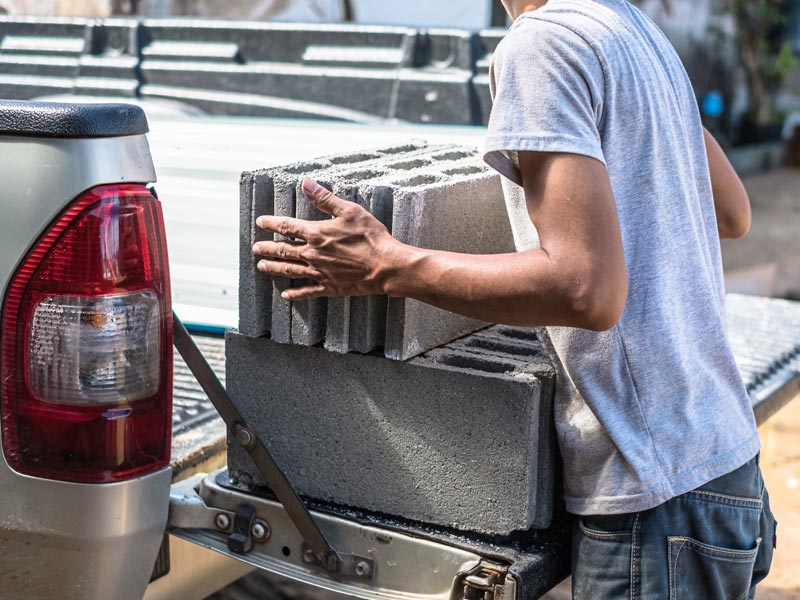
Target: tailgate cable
245 436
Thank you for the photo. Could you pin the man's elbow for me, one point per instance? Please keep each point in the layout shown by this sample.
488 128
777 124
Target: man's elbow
598 306
736 225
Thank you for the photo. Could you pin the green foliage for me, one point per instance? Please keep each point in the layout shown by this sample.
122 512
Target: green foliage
766 63
782 64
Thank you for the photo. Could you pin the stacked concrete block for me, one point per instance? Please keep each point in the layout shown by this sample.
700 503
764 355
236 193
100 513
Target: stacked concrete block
486 44
109 68
461 436
427 196
39 58
274 192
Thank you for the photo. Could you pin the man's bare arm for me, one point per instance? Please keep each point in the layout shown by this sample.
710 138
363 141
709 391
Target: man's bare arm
577 278
731 202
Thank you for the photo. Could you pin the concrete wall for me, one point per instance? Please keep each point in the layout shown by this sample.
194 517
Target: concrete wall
306 11
64 8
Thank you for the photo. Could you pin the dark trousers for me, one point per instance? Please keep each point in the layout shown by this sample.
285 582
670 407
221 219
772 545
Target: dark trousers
715 542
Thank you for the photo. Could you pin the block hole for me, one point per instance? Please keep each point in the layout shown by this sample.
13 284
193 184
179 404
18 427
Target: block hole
362 175
408 164
399 149
286 551
353 158
453 155
518 334
474 169
419 180
304 168
498 345
476 363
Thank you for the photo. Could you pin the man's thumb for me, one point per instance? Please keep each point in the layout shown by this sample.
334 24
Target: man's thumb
322 198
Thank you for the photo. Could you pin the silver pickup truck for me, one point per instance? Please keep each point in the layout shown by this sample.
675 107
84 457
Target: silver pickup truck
102 440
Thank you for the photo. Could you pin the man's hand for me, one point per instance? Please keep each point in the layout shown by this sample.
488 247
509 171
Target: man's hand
344 255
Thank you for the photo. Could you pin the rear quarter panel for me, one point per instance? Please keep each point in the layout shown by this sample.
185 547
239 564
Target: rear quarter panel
65 540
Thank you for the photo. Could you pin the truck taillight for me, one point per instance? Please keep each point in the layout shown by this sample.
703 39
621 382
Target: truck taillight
86 343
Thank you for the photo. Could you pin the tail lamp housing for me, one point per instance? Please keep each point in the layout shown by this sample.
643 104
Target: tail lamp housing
86 343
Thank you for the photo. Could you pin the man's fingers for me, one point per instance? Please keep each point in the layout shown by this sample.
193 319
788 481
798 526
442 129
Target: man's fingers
285 226
290 270
323 199
304 293
282 250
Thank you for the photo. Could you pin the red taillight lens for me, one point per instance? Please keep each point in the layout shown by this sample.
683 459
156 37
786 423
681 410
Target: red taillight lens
86 351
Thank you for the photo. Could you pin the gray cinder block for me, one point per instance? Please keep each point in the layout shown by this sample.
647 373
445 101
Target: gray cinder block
262 309
309 317
440 215
255 288
461 436
427 196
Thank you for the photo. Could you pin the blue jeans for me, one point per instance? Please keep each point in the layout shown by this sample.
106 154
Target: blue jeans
715 542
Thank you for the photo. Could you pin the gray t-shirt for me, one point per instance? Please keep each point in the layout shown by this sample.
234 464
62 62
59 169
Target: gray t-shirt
655 407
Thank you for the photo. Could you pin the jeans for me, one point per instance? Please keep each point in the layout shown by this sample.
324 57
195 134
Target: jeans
715 542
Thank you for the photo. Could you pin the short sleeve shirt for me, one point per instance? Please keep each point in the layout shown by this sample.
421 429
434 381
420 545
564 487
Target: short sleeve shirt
654 407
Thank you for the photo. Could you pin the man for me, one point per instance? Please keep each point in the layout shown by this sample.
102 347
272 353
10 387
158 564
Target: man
596 131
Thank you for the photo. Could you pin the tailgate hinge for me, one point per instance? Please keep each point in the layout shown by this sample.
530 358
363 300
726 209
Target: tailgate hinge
489 581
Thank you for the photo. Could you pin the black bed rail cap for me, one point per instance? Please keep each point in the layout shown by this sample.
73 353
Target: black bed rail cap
70 120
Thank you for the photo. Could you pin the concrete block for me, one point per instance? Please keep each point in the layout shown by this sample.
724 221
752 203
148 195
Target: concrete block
262 309
309 317
440 215
256 192
414 190
461 436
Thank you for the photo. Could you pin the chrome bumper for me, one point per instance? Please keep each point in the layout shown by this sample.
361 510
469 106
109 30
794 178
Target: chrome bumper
398 566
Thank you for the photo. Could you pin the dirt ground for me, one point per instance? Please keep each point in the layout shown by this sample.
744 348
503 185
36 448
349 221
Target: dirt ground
771 251
780 463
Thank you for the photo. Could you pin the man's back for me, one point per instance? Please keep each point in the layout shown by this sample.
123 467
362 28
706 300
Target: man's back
655 406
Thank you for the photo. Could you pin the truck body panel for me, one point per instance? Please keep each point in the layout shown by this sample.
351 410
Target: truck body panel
58 539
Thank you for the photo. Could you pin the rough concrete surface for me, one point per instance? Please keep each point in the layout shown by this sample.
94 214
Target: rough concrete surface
463 214
460 437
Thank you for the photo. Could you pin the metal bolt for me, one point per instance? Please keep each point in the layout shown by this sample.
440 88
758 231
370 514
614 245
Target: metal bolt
362 568
244 437
260 531
308 556
222 521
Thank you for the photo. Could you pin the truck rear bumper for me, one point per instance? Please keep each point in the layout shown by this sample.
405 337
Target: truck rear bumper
79 542
397 565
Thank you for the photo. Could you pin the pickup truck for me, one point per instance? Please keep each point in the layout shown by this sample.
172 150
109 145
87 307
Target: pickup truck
111 479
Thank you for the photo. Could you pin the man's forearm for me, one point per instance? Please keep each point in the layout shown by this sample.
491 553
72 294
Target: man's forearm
525 288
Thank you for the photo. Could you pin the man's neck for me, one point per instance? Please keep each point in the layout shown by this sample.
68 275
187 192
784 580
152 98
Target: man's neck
516 8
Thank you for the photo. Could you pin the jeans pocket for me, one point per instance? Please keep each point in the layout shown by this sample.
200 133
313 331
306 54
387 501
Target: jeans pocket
607 527
601 558
697 570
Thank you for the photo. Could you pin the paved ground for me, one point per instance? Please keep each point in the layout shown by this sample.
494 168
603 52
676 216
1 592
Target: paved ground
780 460
767 260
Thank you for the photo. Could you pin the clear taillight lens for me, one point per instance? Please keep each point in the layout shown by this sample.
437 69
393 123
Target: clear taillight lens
86 352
